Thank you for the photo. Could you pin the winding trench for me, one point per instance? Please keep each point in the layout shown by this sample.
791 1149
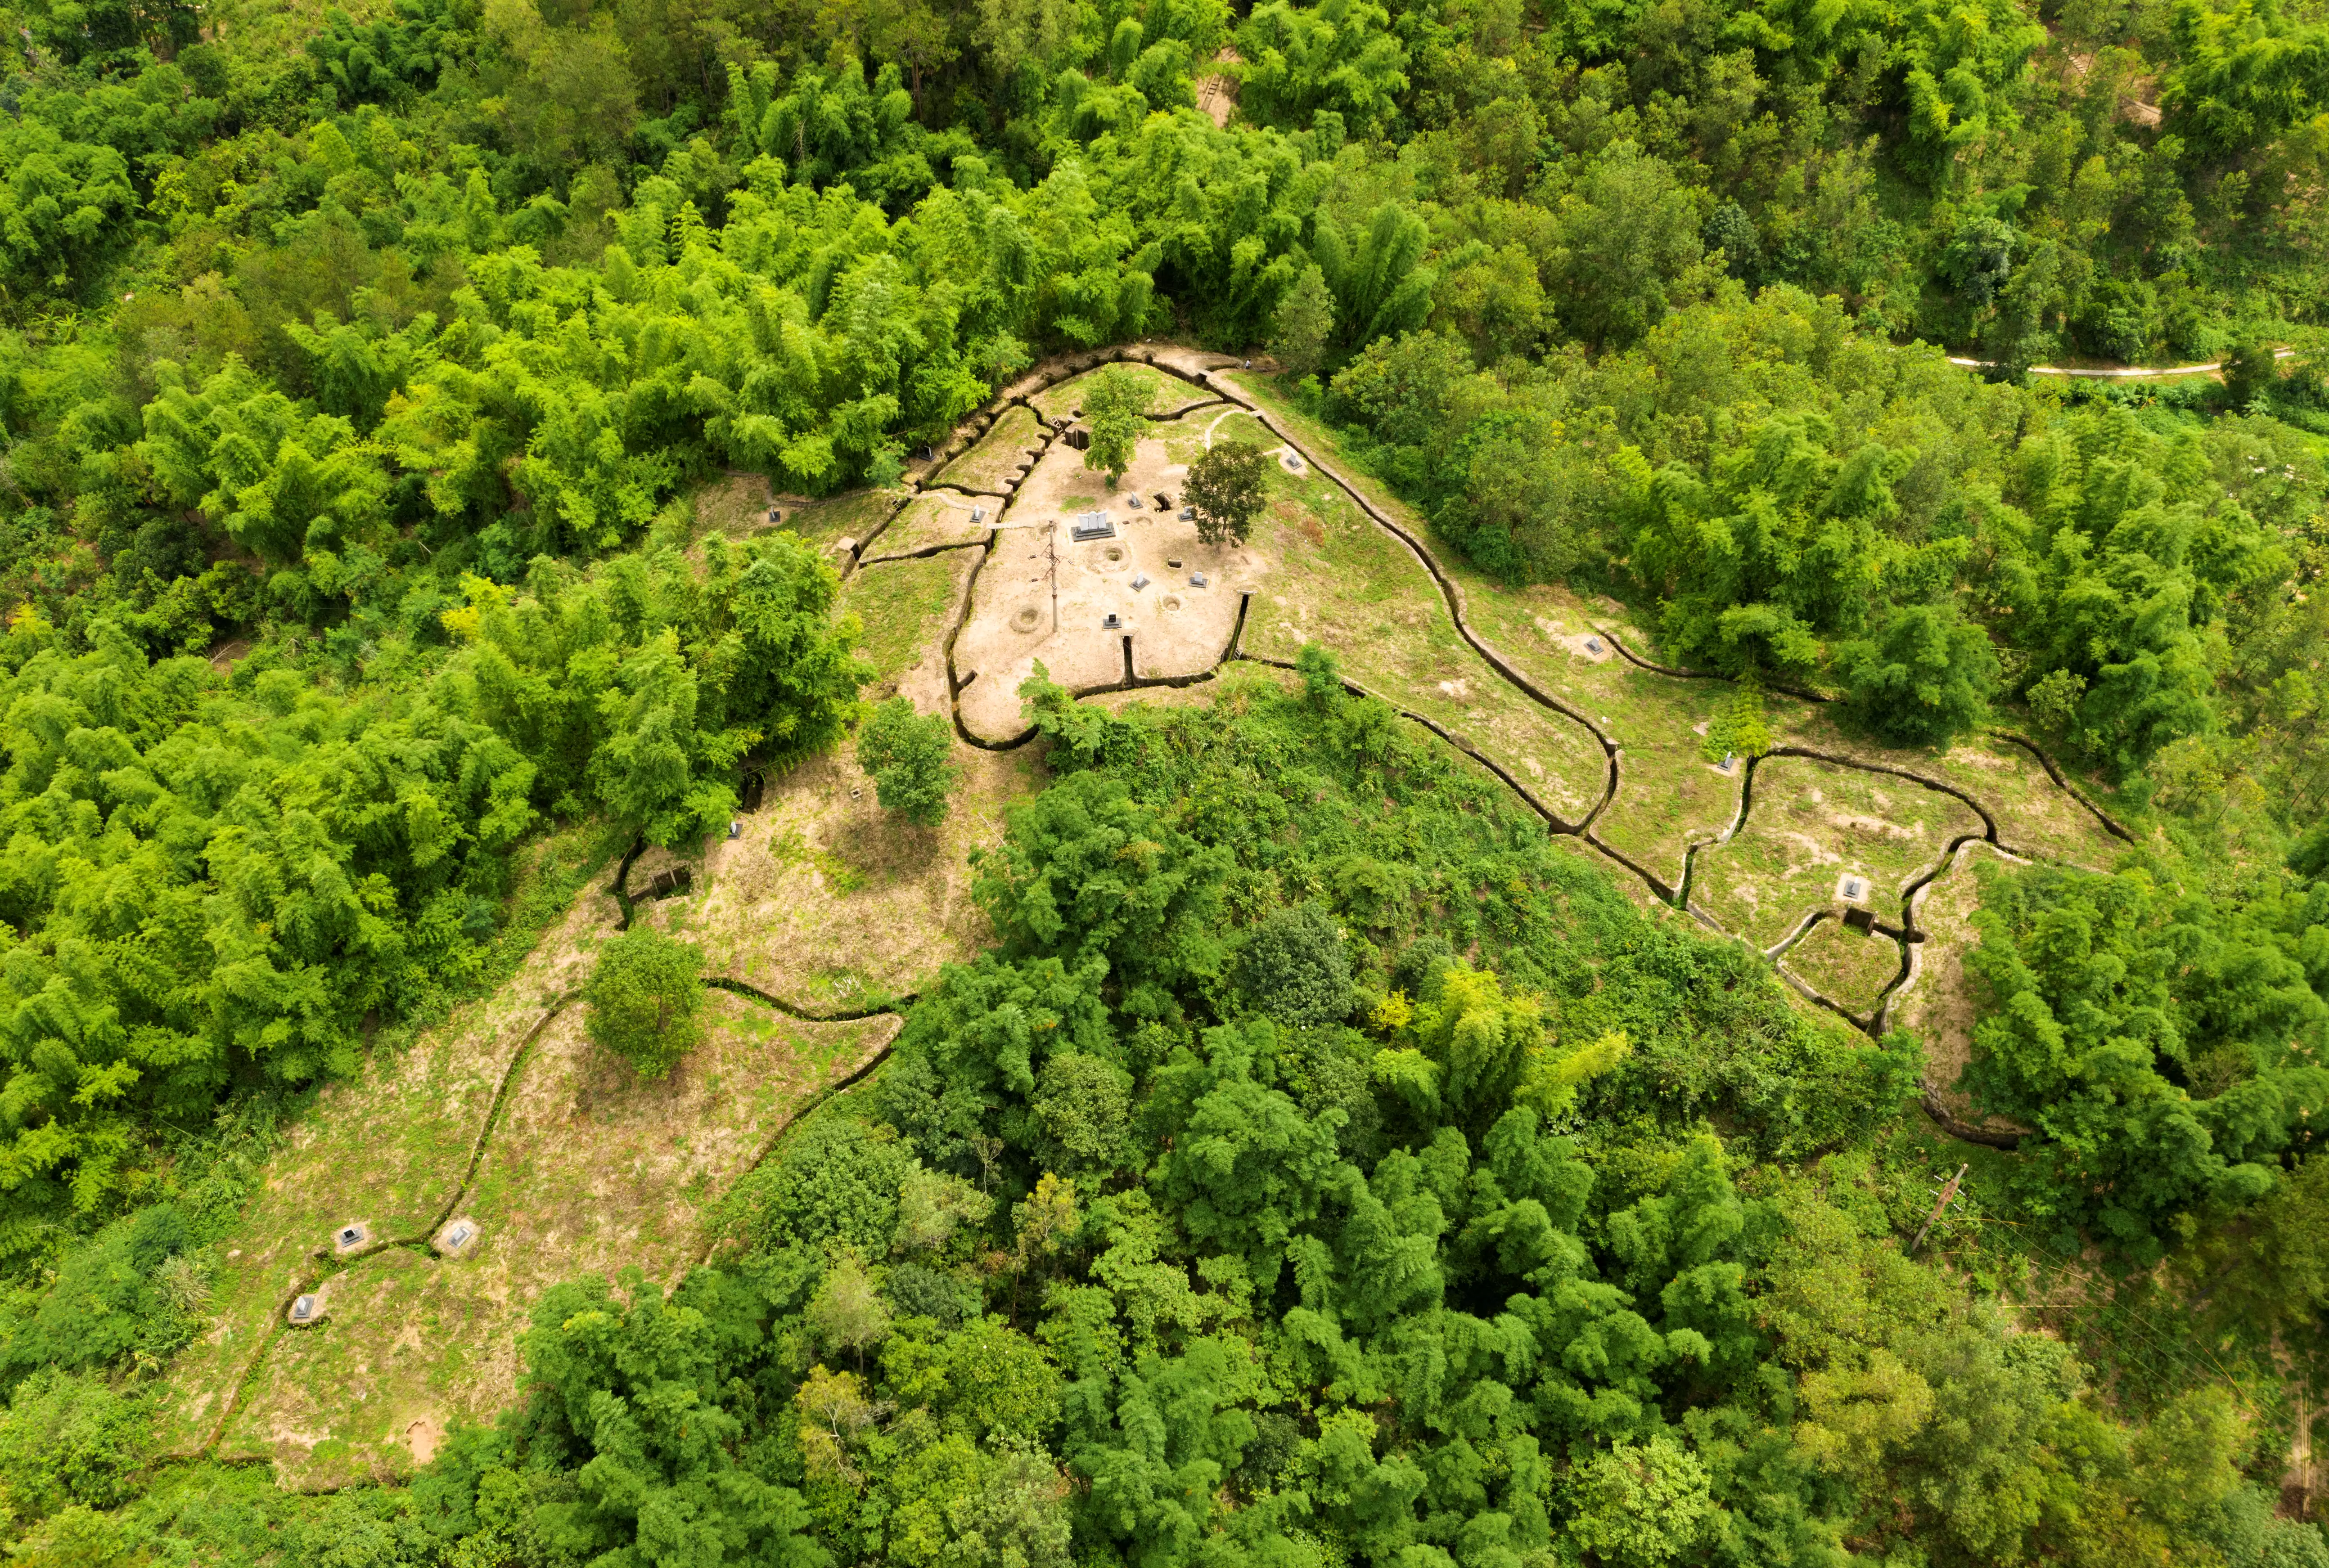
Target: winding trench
1906 934
330 1266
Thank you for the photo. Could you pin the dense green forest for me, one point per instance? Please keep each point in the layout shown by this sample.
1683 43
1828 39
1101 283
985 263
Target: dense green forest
1327 1168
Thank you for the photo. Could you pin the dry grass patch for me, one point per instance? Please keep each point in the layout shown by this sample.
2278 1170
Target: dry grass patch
832 904
823 525
996 459
2035 816
1166 394
1345 583
1938 1002
935 520
1810 823
590 1170
903 609
388 1148
737 505
1850 968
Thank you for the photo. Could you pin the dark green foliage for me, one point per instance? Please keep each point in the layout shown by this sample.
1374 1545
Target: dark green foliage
2166 1048
69 1440
126 1294
1296 969
1089 871
1085 1108
1225 488
645 990
835 1179
1922 680
910 758
632 1402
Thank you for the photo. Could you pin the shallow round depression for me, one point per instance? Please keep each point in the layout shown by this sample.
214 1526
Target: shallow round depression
1026 618
1172 602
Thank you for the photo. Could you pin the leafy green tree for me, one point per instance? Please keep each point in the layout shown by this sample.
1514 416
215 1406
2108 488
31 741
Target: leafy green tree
1226 486
846 1313
1380 280
1643 1505
1629 239
1295 967
1087 871
1114 401
2103 991
1304 324
1923 680
2249 371
66 1440
1084 1104
835 1181
631 1400
1340 57
644 994
910 758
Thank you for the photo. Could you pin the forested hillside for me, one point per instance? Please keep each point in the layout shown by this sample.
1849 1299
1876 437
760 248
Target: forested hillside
1327 1168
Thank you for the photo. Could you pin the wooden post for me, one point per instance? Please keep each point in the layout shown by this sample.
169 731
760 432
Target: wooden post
1949 1191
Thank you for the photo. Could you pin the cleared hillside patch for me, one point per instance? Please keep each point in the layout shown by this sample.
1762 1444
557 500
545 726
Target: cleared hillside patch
832 904
997 459
387 1149
1811 824
590 1169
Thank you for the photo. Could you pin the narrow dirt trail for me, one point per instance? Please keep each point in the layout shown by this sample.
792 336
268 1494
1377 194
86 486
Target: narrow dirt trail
2115 372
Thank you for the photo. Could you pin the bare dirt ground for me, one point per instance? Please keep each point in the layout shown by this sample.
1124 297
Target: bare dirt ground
1045 597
